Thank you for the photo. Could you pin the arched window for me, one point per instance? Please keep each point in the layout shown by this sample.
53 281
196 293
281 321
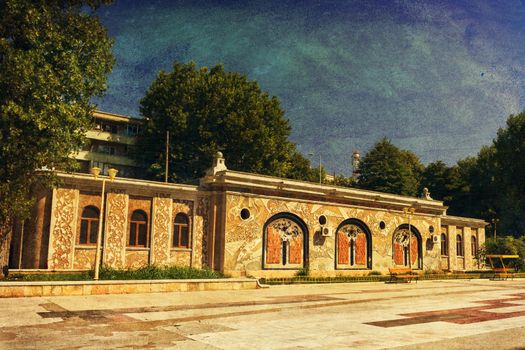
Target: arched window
89 226
474 246
354 246
406 247
459 245
285 242
138 229
181 231
444 246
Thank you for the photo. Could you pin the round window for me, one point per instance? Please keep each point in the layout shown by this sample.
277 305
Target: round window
245 214
382 225
322 220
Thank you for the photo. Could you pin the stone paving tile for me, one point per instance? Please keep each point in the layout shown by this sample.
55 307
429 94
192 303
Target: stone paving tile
338 316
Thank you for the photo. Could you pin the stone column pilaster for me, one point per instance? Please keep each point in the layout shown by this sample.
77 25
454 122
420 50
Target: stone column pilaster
63 226
115 235
200 232
452 254
161 231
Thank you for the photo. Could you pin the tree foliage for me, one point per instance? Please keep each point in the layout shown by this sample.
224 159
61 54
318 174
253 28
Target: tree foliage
509 174
387 168
209 110
490 185
54 56
440 179
508 246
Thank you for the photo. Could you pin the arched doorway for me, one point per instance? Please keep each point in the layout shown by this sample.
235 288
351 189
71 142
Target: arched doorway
406 247
285 242
353 245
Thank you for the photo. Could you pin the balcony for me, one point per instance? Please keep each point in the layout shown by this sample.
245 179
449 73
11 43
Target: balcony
110 137
105 158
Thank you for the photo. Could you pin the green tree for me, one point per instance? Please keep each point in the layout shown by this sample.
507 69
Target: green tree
343 181
509 160
473 189
437 177
54 56
209 110
387 168
508 246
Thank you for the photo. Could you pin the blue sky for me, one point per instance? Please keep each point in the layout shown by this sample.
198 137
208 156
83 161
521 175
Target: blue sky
436 77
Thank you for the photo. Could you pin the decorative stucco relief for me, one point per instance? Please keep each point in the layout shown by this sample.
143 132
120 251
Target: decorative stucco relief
183 206
180 258
161 231
242 229
115 230
136 259
84 259
243 237
243 247
63 228
200 230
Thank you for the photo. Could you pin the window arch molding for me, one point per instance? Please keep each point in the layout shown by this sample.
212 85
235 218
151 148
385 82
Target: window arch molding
460 248
444 244
414 232
305 243
89 221
368 235
138 235
474 246
181 231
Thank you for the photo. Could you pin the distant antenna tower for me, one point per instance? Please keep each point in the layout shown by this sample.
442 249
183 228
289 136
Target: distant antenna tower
356 161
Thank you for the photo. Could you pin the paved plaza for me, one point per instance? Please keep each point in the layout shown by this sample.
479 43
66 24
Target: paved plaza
476 314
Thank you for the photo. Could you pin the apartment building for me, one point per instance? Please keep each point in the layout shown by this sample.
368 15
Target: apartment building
110 144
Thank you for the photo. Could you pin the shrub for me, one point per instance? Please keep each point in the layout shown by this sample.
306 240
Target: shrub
84 276
507 245
374 273
149 272
152 272
303 272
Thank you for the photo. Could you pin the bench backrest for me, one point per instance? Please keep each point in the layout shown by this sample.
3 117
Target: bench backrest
398 270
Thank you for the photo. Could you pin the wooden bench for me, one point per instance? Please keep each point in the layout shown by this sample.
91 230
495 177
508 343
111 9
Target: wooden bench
502 273
402 274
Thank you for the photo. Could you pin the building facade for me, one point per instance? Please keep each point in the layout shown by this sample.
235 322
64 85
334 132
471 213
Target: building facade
242 224
110 144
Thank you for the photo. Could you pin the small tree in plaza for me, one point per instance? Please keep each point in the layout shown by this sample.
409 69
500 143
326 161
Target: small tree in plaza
54 57
209 110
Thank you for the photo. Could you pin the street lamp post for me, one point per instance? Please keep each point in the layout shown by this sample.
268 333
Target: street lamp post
95 171
409 212
495 224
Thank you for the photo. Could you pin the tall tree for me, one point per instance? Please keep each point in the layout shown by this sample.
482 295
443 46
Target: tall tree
509 158
387 168
209 110
54 56
436 177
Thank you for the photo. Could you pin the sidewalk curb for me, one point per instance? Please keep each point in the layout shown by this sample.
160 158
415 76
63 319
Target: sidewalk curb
70 288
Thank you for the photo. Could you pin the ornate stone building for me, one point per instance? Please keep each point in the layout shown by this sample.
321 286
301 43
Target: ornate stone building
242 224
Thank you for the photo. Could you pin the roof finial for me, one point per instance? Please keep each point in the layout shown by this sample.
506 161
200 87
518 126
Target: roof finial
218 164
